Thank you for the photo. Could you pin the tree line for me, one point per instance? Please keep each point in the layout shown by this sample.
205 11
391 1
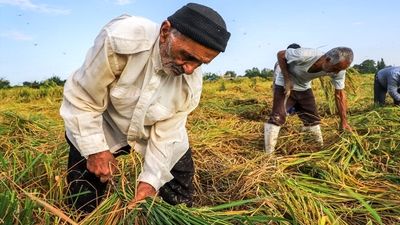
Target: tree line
52 81
366 67
370 66
253 72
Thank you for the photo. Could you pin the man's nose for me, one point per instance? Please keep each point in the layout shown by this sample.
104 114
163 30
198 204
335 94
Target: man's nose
189 67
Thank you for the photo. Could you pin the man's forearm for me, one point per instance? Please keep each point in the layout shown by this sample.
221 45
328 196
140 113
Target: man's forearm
341 104
286 78
285 72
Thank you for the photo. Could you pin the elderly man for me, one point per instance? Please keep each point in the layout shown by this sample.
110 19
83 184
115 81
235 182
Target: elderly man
387 80
136 88
293 88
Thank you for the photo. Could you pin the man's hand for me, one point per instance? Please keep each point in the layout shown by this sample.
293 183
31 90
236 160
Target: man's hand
341 104
102 164
144 190
288 86
345 127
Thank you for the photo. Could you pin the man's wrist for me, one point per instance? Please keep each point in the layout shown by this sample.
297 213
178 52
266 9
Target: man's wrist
100 154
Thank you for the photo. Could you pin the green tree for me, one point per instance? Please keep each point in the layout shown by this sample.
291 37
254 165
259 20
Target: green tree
267 73
254 72
52 81
57 80
33 84
367 66
4 83
380 64
211 76
230 73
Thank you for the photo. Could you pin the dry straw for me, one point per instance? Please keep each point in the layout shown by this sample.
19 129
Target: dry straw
353 179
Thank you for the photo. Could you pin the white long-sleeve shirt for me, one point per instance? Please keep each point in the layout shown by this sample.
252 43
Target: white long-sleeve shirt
121 95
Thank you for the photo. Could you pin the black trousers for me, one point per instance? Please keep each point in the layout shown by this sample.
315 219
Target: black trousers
85 191
379 92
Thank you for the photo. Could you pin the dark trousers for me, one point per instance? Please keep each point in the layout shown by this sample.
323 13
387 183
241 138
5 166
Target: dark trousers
85 190
379 92
303 101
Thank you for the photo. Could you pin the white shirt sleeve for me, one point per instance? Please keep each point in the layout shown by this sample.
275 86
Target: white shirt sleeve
169 140
338 80
167 144
86 98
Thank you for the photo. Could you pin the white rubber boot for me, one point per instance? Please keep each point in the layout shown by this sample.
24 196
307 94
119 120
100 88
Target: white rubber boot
316 133
271 133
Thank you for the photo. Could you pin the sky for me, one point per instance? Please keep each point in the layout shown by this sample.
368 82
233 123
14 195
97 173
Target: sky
42 38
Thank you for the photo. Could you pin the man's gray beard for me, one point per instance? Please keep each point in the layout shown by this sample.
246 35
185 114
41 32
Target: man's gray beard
170 71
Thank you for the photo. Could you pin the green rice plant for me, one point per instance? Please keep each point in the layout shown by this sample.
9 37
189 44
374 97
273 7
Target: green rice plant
326 88
155 211
372 212
222 87
15 211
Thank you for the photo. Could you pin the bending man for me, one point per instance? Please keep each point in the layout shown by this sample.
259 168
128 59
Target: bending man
293 88
387 80
136 88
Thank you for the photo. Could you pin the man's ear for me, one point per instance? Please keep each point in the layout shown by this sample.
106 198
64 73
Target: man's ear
165 30
327 59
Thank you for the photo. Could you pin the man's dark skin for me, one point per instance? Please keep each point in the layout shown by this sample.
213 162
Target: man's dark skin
322 64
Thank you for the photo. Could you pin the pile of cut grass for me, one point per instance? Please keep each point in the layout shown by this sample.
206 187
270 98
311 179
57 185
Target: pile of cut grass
353 179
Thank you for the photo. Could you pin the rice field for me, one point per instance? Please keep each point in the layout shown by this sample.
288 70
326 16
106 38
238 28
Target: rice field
353 179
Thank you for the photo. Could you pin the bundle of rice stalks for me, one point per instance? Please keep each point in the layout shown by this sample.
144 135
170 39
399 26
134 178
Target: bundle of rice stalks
155 211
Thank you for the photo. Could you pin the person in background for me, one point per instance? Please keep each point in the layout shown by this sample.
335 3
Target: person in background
293 87
387 80
136 88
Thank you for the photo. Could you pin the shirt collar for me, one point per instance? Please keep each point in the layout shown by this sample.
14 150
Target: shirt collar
156 56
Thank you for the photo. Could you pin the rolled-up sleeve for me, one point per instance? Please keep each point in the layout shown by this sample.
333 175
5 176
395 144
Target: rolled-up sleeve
167 144
86 98
338 80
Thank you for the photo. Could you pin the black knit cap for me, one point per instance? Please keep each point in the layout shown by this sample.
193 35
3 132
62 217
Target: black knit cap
202 24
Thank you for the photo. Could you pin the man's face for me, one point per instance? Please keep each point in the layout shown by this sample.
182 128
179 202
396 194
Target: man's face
180 54
336 68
